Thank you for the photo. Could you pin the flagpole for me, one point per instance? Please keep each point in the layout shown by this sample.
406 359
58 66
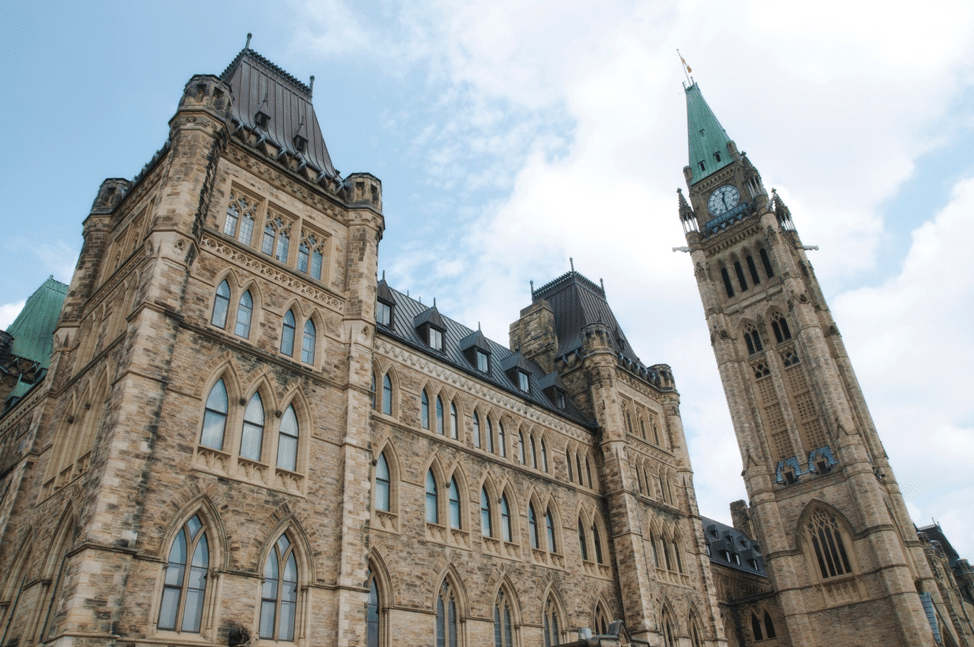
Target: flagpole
686 68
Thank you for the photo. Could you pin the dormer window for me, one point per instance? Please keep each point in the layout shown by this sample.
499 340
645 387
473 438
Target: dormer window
483 361
383 314
477 351
300 143
262 119
560 399
431 327
702 167
522 382
717 157
435 338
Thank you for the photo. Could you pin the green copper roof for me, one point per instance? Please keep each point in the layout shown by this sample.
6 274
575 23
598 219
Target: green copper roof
33 329
706 136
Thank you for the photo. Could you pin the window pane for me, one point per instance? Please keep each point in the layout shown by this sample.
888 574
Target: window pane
439 415
424 410
193 612
282 246
244 312
267 245
454 427
169 607
213 426
485 514
303 258
432 515
220 305
387 395
246 229
506 519
267 611
308 343
230 226
454 505
286 629
287 334
476 430
316 261
287 453
501 441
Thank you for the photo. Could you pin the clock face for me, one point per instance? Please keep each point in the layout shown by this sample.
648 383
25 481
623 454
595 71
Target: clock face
723 199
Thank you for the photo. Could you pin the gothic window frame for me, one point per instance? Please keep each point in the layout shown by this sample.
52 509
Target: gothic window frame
454 421
165 584
449 615
582 540
288 333
424 409
276 236
486 513
54 575
243 320
309 342
830 552
488 435
273 596
501 439
477 437
253 428
507 518
440 415
221 299
551 625
432 499
505 618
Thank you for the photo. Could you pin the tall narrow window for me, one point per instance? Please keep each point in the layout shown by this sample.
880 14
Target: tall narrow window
454 422
676 556
287 334
740 275
316 262
435 339
221 304
588 473
252 435
215 417
549 524
308 343
769 625
383 313
552 634
533 526
503 630
230 224
652 542
830 553
245 311
756 627
578 465
387 395
568 461
432 499
382 484
629 422
279 593
597 539
522 381
456 521
424 410
287 441
372 393
727 282
544 456
446 617
490 436
267 244
520 444
482 361
50 620
439 415
501 439
485 523
283 242
582 543
642 428
372 617
767 263
534 454
303 255
185 583
506 531
755 279
476 430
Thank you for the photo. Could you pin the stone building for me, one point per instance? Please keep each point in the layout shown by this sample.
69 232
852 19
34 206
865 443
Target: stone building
240 436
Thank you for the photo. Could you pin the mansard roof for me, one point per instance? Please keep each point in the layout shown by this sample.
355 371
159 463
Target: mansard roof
261 86
721 537
406 311
577 302
705 136
33 329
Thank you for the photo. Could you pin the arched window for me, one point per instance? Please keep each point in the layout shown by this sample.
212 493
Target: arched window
456 521
695 639
532 526
215 417
432 499
454 426
486 528
424 410
582 543
503 627
628 422
476 430
181 608
568 460
221 305
520 444
581 477
769 625
382 484
601 620
756 627
279 593
287 441
588 473
727 282
552 634
287 334
501 441
446 617
642 428
439 415
372 617
544 456
534 454
652 542
245 310
669 638
740 275
549 523
252 435
753 270
372 394
767 263
490 436
308 343
676 556
753 340
779 325
508 535
597 540
822 530
387 395
49 629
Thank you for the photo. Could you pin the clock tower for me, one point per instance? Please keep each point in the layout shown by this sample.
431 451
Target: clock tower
841 551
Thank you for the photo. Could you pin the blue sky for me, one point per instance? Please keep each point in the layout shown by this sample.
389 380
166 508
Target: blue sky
510 136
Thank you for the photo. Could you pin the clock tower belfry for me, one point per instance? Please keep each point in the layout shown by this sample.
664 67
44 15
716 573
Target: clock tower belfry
840 548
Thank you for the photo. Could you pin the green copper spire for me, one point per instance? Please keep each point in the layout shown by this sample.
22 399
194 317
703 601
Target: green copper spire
33 329
707 138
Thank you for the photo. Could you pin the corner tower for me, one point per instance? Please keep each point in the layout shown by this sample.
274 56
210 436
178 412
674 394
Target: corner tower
841 550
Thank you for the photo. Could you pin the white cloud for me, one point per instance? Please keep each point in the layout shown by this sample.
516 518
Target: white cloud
9 312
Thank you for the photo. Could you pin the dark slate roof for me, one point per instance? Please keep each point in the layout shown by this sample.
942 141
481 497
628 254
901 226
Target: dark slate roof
407 311
721 537
576 303
934 533
258 84
33 329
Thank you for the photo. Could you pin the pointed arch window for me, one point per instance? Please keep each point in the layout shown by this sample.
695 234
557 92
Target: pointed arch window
221 305
578 465
534 454
669 638
49 629
501 439
476 430
456 520
588 473
642 428
601 620
755 279
490 436
740 275
486 527
544 456
287 441
424 410
779 325
184 587
506 531
533 526
568 461
629 422
822 530
387 394
287 334
372 617
454 422
767 263
552 633
520 444
597 540
432 499
383 484
695 639
279 593
752 340
439 415
727 282
652 542
756 627
582 543
372 393
252 435
308 343
245 311
769 625
503 627
549 524
446 617
215 417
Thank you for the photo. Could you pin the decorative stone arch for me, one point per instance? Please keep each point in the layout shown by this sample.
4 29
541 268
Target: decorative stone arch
294 397
300 547
504 441
827 540
457 472
523 432
669 629
551 602
12 590
506 489
378 573
600 615
551 506
382 369
450 576
695 628
504 583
